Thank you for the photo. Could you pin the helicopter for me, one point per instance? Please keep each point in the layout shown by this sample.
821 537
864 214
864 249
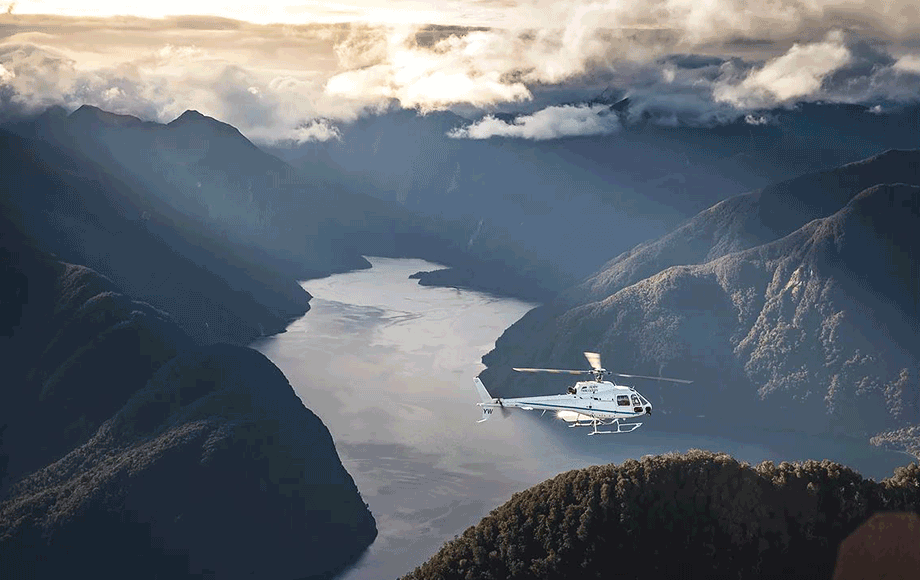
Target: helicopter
586 403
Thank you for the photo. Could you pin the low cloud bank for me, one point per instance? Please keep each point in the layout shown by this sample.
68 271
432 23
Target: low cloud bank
680 61
549 123
700 90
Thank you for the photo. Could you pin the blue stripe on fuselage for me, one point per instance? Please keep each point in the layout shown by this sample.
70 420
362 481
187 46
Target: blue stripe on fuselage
583 409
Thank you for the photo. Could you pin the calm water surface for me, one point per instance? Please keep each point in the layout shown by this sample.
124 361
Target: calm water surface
388 366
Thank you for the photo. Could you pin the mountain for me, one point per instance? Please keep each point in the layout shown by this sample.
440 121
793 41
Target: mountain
255 485
217 288
207 169
535 198
74 348
580 200
751 219
127 449
205 172
693 515
816 330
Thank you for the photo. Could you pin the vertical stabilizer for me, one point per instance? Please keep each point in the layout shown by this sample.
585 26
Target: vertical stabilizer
487 402
483 393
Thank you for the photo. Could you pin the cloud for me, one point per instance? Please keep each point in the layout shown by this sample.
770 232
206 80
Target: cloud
836 69
5 75
391 65
680 61
269 85
694 21
795 75
316 130
556 43
704 90
909 63
548 123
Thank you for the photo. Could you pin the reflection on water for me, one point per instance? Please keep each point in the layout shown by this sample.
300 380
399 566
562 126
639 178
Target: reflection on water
388 366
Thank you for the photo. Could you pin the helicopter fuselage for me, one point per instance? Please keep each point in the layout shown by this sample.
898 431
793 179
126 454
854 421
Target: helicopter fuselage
593 403
587 400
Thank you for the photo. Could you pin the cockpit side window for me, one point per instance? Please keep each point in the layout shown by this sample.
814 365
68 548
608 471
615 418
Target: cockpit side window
636 400
623 400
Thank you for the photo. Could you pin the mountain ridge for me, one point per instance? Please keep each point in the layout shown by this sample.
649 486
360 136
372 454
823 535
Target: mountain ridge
211 174
751 223
149 248
693 515
814 328
198 420
107 403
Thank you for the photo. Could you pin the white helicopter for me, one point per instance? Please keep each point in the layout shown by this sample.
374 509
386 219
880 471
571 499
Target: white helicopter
587 403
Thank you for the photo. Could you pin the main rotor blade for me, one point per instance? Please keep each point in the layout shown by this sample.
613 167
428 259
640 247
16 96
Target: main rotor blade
594 360
653 378
557 371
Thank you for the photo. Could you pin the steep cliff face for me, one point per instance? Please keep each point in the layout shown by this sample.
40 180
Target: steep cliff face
816 330
215 459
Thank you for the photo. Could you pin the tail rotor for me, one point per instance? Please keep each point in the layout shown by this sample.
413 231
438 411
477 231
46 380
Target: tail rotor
488 403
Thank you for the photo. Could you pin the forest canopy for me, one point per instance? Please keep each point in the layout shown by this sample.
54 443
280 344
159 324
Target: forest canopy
694 515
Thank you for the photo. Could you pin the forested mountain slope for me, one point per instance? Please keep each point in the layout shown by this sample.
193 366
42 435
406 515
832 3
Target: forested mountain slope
128 450
815 330
695 515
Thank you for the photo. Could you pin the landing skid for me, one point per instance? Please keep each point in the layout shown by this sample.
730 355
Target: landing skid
620 427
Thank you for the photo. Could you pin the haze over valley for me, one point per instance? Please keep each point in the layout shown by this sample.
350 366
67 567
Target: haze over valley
252 257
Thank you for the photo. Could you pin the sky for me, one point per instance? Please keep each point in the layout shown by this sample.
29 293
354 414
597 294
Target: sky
292 71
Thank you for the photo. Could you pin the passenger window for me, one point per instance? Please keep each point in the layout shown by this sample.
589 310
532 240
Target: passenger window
623 400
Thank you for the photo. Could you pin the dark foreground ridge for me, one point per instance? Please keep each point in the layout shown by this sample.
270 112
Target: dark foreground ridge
214 465
693 515
129 452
